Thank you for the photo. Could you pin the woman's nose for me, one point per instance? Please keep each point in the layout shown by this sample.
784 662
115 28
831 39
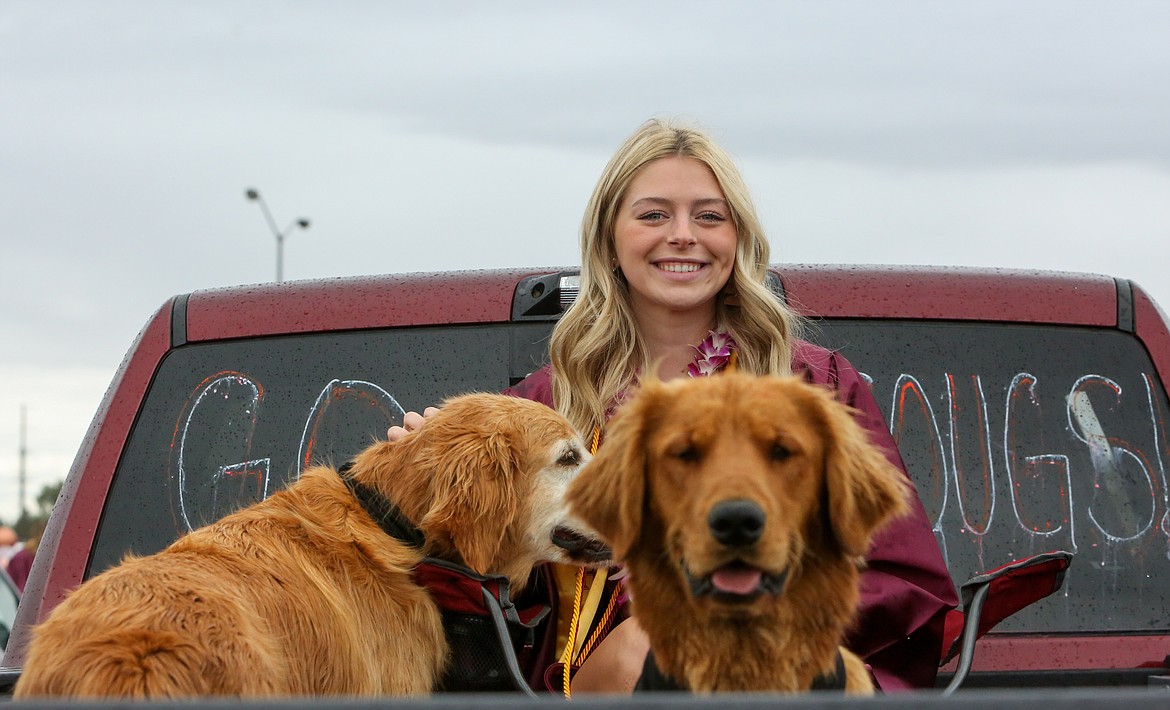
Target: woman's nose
681 235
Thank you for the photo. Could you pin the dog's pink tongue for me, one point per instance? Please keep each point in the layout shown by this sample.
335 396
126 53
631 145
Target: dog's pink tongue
736 580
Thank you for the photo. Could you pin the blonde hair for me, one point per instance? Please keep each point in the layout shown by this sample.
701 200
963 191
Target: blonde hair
596 348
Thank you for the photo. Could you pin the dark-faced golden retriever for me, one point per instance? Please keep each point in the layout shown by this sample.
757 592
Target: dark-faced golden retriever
304 593
742 508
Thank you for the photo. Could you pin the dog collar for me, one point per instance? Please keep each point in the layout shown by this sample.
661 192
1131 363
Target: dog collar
385 514
653 679
455 587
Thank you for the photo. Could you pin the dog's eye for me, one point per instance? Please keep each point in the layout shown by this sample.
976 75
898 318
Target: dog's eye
569 458
688 454
780 452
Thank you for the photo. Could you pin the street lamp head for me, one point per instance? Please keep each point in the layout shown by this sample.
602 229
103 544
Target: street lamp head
252 193
303 223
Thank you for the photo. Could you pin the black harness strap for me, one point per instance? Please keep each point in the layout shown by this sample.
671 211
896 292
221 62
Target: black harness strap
653 679
834 680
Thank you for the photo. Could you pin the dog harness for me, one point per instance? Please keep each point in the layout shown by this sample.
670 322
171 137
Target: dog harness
482 623
653 679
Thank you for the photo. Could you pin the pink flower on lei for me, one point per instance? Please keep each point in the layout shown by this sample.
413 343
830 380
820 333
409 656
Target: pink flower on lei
713 353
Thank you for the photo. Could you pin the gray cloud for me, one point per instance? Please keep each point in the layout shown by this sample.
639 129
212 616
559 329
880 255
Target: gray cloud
919 84
905 83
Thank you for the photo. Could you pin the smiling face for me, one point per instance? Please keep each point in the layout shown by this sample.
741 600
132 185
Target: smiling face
674 239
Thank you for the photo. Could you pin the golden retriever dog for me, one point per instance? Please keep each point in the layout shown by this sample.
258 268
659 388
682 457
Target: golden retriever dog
742 507
305 593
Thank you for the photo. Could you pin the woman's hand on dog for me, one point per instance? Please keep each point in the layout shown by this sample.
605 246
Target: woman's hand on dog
411 421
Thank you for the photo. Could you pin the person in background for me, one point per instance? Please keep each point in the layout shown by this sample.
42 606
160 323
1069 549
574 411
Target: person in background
673 269
21 563
9 545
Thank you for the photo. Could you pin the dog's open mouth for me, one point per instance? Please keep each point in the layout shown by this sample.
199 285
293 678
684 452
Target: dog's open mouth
736 582
581 548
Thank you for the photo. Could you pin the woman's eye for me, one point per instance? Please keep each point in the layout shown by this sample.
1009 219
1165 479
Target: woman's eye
655 216
711 217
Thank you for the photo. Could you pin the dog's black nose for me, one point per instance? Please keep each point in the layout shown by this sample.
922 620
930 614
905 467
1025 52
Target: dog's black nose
736 523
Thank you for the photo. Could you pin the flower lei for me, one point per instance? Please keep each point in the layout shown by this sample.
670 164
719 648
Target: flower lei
712 354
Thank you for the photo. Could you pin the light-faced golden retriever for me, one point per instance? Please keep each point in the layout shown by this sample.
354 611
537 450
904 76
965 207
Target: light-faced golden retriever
304 593
742 508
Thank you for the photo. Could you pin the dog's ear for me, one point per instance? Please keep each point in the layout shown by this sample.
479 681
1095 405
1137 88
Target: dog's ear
865 490
474 498
609 493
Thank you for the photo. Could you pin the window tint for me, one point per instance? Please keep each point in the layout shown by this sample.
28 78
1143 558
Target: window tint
1025 439
226 424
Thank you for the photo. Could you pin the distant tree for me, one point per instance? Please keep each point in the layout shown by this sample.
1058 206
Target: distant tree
30 524
47 498
25 525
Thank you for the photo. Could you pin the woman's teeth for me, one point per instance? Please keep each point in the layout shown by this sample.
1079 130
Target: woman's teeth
680 268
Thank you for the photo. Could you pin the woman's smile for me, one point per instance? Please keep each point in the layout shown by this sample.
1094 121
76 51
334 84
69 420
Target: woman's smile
675 239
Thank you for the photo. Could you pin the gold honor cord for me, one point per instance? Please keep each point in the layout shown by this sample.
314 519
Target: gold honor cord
582 617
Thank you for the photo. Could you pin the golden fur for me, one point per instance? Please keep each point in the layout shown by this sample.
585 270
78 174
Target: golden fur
678 450
303 593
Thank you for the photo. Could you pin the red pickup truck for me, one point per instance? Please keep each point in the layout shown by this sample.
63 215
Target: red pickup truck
1030 408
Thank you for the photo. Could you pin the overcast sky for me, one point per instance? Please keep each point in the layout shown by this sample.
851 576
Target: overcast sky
454 135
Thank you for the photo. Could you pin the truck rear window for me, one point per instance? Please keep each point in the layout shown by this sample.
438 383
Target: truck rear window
1020 439
1024 439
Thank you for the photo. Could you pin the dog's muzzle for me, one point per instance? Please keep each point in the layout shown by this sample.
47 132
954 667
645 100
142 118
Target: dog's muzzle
736 524
581 548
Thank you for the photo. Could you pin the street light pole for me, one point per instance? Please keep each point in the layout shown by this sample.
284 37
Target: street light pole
23 473
253 194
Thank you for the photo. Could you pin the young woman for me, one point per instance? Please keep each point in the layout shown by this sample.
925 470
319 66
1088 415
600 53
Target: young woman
673 277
